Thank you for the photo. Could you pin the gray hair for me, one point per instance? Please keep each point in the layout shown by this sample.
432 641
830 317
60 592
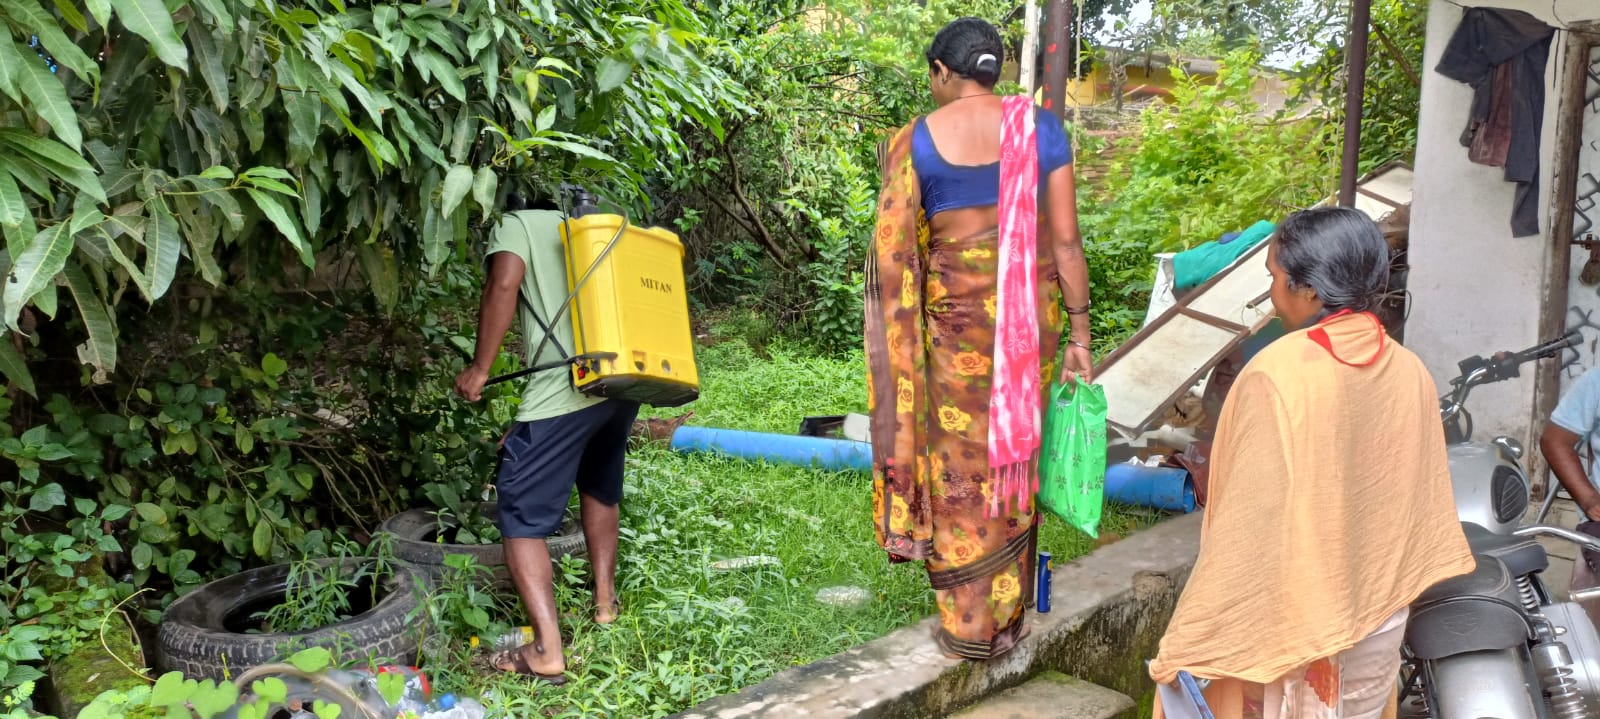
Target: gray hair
1339 253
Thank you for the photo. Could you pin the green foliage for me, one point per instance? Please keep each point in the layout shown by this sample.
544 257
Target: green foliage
319 594
1392 96
253 137
462 523
46 606
1212 28
777 212
221 454
1209 163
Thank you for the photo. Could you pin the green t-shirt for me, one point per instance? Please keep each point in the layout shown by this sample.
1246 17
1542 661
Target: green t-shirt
534 236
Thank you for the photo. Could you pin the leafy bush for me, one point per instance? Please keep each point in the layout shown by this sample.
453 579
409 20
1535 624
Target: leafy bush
778 210
1392 95
1209 163
361 136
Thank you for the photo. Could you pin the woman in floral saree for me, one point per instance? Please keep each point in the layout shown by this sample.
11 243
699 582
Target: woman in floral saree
965 282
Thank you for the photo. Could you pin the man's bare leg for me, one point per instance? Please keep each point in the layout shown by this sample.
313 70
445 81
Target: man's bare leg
529 562
600 523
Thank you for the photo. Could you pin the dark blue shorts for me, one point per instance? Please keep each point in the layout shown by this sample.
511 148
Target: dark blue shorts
542 461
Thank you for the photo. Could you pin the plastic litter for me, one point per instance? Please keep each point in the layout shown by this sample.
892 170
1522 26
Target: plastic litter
759 560
510 640
849 597
456 709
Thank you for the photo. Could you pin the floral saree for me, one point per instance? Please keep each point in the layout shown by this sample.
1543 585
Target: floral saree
930 339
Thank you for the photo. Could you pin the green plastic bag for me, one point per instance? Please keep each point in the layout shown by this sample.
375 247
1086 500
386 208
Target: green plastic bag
1072 460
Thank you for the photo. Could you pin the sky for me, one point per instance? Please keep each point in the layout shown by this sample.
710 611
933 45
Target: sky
1141 13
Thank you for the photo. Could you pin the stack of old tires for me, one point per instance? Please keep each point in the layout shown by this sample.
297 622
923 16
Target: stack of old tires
214 631
414 536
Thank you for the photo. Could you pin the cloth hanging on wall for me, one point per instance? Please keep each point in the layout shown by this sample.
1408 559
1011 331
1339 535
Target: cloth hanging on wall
1502 54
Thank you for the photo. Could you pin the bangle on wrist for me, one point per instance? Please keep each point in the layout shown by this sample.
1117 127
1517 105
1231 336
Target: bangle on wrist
1079 310
1076 343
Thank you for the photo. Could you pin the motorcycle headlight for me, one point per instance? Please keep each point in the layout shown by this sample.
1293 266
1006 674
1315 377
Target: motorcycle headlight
1509 493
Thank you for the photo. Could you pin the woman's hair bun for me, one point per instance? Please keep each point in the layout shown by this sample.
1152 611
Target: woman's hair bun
969 47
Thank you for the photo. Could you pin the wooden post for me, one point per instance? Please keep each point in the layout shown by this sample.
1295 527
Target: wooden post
1029 61
1059 52
1355 54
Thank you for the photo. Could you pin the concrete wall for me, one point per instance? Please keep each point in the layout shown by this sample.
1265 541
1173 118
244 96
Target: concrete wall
1476 289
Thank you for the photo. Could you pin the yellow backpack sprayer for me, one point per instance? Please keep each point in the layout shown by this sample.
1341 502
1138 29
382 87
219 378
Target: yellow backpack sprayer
629 310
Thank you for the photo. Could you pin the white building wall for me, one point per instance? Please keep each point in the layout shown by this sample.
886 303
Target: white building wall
1475 288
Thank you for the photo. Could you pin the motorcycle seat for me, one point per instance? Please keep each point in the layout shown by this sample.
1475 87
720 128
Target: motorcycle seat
1521 555
1475 612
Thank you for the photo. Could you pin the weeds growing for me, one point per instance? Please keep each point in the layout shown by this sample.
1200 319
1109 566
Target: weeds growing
689 632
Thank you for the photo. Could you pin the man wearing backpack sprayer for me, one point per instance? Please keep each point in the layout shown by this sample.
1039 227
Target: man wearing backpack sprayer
561 438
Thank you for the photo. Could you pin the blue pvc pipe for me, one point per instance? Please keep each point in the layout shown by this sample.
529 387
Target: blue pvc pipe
836 455
1164 488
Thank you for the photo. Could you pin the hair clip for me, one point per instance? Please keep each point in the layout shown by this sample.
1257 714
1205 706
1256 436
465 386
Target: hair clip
986 58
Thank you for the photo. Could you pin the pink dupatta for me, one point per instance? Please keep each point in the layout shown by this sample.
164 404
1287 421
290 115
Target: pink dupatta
1015 395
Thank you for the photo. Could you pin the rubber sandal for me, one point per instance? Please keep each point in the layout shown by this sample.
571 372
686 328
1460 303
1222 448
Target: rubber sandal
519 665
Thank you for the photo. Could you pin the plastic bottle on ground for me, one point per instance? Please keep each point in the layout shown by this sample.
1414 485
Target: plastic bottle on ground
448 707
509 640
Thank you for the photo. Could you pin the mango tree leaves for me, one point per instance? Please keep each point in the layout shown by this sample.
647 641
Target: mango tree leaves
430 62
151 20
383 276
36 268
305 121
272 207
437 236
100 350
11 59
210 60
162 245
456 185
484 186
55 158
124 225
37 21
294 89
12 207
612 73
14 367
48 100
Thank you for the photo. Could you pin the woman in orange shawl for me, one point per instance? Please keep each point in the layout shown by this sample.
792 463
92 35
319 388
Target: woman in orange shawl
956 262
1330 506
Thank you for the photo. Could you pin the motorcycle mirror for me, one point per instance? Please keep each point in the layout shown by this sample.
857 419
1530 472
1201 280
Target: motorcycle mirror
1511 446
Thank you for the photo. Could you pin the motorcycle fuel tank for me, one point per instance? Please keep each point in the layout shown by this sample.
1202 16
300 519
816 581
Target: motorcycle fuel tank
1491 490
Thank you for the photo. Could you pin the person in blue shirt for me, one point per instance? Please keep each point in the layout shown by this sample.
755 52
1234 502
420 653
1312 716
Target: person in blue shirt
1571 426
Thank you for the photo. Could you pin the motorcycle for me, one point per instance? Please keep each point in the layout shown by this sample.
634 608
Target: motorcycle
1494 642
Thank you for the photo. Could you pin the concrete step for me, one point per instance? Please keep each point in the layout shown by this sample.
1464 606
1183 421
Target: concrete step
1051 695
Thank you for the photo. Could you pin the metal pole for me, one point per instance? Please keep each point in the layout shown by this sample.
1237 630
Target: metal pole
1058 53
1355 53
1030 48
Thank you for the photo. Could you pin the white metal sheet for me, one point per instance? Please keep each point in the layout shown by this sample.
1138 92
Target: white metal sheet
1140 384
1165 358
1233 298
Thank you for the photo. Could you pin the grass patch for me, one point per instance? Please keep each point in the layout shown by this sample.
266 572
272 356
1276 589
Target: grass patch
688 632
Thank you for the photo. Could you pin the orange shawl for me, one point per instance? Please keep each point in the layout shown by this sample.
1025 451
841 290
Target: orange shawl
1330 507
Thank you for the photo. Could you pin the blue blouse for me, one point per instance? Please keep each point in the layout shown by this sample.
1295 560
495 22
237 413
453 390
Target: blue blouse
946 186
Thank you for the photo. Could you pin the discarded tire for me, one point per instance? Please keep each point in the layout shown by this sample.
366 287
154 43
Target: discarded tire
207 633
414 537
